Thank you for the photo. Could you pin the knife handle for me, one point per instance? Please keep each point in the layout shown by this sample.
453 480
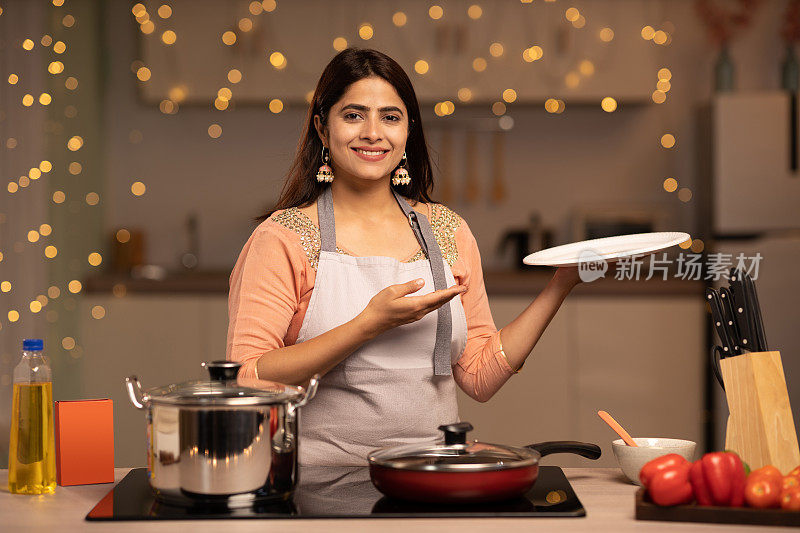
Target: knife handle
742 310
719 322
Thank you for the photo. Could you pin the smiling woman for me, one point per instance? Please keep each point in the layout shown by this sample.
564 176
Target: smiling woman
360 313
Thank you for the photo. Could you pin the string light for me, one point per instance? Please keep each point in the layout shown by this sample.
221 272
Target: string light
143 74
269 5
138 188
608 104
50 251
234 76
98 312
496 49
5 286
169 37
45 229
59 47
214 131
670 184
276 105
245 24
95 259
229 38
277 60
53 292
165 11
365 31
74 286
255 8
435 12
509 95
421 66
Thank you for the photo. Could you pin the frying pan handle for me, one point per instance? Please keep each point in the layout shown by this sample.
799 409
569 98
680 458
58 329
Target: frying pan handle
584 449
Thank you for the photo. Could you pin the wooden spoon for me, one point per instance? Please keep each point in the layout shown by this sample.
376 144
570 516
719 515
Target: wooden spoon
608 419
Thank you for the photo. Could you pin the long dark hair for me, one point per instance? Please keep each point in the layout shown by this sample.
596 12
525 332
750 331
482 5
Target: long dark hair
348 66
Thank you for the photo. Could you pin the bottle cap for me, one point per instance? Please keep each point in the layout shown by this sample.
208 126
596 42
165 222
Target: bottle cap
32 345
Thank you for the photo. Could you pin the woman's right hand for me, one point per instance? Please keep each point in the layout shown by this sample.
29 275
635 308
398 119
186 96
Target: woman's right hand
391 307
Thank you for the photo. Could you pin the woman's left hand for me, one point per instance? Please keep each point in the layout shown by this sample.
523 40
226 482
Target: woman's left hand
568 276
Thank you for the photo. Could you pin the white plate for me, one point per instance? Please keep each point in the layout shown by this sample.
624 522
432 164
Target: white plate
607 248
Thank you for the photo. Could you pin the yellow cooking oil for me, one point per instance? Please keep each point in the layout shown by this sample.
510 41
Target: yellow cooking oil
32 450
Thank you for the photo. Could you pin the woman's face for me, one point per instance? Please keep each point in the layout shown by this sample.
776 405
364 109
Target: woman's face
367 130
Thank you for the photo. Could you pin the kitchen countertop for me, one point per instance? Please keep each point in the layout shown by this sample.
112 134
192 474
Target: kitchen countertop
510 282
606 495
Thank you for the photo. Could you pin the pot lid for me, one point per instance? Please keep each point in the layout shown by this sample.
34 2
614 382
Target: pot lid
224 389
454 454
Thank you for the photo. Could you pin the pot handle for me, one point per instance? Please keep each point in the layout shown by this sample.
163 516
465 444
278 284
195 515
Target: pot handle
311 391
138 399
584 449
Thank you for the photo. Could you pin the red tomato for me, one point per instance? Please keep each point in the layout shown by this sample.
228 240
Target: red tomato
763 491
768 471
790 499
795 472
790 482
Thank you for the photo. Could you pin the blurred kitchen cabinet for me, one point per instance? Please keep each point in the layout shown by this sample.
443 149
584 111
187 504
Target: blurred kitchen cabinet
538 403
438 55
162 339
640 358
755 187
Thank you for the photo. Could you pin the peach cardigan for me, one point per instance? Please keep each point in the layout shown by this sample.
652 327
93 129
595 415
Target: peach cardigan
272 282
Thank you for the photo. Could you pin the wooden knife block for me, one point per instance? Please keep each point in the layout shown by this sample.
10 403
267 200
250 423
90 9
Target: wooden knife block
760 426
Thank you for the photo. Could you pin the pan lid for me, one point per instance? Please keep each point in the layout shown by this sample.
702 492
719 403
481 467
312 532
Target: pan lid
454 454
224 389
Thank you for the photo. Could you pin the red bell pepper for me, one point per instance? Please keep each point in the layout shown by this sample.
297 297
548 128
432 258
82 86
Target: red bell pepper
699 485
664 462
723 479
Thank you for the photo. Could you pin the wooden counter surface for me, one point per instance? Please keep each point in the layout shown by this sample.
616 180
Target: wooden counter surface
606 495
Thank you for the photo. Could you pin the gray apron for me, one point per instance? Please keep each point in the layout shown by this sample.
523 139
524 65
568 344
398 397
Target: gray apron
397 388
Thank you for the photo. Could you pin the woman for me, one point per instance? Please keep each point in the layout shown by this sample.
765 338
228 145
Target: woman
349 293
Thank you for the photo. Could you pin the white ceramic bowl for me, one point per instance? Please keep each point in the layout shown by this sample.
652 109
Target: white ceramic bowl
631 459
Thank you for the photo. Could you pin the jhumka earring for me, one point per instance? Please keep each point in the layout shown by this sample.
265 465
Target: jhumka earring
401 176
325 172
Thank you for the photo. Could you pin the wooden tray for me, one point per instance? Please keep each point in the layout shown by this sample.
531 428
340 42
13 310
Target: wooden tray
647 510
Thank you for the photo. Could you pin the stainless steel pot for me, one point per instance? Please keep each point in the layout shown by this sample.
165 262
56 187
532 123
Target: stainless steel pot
228 439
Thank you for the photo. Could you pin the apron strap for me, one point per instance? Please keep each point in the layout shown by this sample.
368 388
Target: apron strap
444 324
421 227
327 223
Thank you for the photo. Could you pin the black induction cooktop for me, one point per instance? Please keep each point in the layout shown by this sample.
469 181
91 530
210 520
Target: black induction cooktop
336 492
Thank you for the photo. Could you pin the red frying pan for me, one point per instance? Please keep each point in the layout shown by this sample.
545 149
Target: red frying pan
458 471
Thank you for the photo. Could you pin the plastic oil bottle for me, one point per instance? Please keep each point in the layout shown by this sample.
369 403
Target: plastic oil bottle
31 455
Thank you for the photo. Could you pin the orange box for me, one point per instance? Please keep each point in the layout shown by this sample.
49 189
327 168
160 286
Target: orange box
84 442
